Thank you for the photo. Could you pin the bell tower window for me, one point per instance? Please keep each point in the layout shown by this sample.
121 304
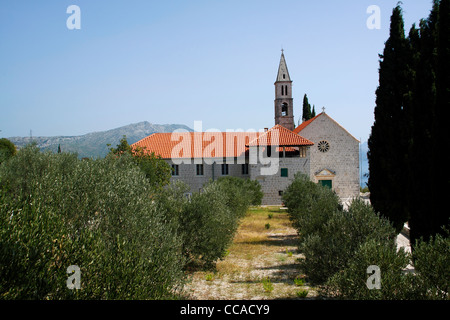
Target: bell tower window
284 109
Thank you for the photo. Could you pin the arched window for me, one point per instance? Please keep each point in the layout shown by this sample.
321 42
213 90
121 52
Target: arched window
284 109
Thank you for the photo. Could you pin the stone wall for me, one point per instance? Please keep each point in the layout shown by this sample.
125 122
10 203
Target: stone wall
188 173
273 184
341 162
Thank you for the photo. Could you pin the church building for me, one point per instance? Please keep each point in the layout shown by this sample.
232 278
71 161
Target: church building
319 148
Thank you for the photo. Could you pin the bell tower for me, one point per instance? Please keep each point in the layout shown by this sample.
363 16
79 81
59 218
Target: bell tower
284 109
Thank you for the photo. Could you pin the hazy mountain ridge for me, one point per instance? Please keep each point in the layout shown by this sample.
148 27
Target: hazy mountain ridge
95 144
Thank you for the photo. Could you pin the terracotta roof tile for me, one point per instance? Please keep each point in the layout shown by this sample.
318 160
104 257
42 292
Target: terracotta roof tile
305 124
280 136
215 144
197 144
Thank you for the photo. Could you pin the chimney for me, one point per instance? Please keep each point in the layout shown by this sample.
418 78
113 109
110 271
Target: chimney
266 129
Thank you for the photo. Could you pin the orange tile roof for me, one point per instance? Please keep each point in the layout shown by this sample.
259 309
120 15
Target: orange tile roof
280 136
197 144
214 144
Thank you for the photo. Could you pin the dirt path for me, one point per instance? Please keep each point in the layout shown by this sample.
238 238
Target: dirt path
261 264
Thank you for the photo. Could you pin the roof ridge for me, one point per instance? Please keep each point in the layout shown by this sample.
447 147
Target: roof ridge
304 124
288 137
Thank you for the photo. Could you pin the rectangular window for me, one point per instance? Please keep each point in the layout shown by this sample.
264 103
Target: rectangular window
284 172
245 168
199 169
175 169
326 183
302 152
224 169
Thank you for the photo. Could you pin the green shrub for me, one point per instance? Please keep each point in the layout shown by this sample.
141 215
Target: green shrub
58 211
432 265
157 171
328 250
7 149
428 281
309 205
302 293
299 282
339 245
207 226
253 189
208 221
172 201
240 193
351 281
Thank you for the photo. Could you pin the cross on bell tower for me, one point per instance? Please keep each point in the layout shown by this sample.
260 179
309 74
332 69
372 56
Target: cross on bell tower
284 108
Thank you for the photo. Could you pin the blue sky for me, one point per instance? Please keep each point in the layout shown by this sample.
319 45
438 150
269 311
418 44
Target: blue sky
182 61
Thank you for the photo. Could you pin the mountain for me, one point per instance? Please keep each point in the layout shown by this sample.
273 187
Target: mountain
95 144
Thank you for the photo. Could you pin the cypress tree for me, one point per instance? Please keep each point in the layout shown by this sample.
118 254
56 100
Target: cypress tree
306 108
412 106
388 148
313 113
440 216
421 169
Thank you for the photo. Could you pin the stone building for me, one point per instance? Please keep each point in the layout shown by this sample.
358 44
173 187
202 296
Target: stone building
319 148
335 156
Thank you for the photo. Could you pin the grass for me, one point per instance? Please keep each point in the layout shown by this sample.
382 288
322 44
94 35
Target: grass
299 281
267 285
260 264
302 293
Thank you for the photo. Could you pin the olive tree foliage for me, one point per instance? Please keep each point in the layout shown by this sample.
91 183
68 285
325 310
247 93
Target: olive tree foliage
7 149
339 245
309 205
208 220
157 171
132 235
57 211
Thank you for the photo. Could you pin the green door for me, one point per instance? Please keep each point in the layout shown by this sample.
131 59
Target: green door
326 183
